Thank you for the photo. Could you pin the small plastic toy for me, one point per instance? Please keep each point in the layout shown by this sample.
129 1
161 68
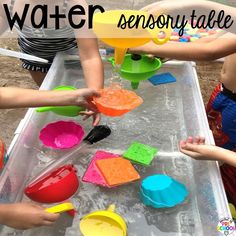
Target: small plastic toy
163 78
117 101
56 187
160 191
140 153
191 35
61 134
60 208
174 38
183 40
193 39
117 171
103 223
92 174
70 111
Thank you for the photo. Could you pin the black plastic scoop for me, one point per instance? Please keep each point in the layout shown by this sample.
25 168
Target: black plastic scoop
97 134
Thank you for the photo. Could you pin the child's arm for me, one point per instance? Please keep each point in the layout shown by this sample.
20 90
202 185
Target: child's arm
91 62
18 97
88 47
186 7
25 216
196 148
200 50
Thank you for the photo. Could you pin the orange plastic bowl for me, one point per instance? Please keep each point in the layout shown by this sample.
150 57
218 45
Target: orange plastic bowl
116 101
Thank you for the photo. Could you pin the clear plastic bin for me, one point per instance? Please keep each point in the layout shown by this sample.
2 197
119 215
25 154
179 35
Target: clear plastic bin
169 113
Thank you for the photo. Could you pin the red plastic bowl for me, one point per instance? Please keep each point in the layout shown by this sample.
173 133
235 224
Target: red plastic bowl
56 187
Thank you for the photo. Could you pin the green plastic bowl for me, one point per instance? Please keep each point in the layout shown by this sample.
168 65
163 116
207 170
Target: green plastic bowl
136 68
70 111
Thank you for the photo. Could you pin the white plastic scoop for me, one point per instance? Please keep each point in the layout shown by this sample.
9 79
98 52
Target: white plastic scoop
21 55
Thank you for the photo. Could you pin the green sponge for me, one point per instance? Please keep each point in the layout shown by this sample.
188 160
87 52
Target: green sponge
140 153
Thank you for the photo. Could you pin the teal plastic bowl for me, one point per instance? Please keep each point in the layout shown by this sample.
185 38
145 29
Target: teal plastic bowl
136 68
162 191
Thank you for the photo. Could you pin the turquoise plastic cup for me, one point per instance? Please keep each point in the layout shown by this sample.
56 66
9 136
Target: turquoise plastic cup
162 191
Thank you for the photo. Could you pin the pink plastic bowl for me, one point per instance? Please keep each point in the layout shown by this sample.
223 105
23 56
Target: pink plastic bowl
61 134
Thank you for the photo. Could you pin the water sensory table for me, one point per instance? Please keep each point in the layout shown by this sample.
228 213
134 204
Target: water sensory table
169 113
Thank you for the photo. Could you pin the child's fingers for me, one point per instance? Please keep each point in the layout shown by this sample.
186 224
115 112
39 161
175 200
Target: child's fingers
184 149
193 147
90 106
96 119
90 93
202 140
196 140
48 223
51 217
189 147
182 143
37 206
189 139
95 94
86 114
189 153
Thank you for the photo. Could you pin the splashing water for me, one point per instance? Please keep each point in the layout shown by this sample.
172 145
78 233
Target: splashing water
115 80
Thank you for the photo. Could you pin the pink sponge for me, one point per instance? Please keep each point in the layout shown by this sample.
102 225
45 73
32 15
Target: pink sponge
92 174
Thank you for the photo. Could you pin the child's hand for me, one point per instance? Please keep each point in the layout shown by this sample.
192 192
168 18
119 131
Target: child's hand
85 99
25 216
171 6
96 116
196 148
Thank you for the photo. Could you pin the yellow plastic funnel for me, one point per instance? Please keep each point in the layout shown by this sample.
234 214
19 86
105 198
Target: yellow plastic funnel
105 27
103 223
